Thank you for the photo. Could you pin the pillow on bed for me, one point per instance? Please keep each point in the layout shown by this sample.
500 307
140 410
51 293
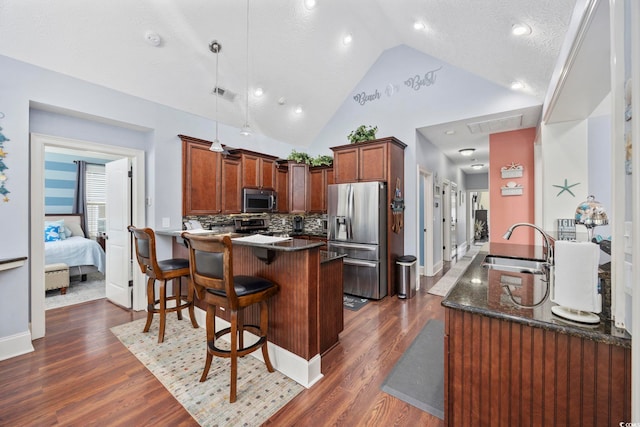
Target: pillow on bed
61 232
75 229
52 233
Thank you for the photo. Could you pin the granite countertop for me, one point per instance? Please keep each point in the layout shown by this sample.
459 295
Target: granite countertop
479 290
310 234
289 245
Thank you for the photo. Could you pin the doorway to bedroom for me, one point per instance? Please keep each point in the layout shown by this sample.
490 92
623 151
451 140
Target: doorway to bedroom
40 144
75 181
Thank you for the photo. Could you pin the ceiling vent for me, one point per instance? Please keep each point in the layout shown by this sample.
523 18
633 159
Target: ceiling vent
225 94
496 125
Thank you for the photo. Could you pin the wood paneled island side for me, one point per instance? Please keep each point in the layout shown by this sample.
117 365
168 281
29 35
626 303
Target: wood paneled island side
305 317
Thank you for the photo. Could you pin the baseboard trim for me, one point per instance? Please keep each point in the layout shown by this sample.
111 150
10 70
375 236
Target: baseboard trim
304 372
15 345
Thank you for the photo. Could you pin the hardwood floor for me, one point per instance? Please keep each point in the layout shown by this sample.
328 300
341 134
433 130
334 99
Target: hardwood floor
80 374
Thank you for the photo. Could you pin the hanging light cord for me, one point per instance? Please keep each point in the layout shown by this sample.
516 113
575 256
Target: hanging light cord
217 91
247 82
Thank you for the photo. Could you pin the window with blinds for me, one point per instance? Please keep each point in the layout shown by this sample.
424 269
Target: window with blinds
96 188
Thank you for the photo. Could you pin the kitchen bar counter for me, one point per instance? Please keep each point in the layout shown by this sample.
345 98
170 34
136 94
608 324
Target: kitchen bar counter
305 317
479 290
506 365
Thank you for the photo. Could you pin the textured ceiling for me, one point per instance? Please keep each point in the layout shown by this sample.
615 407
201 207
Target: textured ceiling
295 54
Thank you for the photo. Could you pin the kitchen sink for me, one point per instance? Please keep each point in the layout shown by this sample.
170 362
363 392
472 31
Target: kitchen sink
517 265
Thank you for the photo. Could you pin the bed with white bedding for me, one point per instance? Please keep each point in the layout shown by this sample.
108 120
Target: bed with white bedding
71 247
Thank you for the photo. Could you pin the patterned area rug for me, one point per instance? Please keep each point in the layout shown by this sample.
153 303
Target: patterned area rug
444 285
93 288
178 364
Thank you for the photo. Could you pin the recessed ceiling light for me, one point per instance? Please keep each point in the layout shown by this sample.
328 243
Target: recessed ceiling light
449 132
419 25
309 4
520 30
282 100
298 109
477 166
466 151
258 92
153 38
516 85
347 39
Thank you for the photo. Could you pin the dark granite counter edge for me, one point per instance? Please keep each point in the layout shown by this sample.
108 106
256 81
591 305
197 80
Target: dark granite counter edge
558 325
290 245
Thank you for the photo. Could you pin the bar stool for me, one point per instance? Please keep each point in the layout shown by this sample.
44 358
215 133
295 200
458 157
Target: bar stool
211 266
169 269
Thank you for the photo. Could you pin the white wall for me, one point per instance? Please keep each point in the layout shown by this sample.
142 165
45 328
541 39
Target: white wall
88 112
453 95
564 156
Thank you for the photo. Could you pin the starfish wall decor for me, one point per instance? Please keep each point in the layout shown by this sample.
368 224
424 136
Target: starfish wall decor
566 187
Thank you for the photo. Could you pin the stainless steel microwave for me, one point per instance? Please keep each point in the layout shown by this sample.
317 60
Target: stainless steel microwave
256 200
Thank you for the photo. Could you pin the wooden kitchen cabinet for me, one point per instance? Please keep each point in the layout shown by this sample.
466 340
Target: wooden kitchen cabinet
231 185
505 373
298 187
258 170
201 169
282 187
366 161
319 178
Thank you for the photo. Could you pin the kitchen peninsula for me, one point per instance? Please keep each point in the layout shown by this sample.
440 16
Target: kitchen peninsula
305 317
507 364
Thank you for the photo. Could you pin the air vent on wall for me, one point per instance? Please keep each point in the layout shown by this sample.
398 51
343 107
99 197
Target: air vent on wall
501 124
225 94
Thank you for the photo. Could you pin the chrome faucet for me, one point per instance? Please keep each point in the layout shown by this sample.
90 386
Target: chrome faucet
547 238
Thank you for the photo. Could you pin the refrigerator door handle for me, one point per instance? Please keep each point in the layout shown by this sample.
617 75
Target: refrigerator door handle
351 261
350 213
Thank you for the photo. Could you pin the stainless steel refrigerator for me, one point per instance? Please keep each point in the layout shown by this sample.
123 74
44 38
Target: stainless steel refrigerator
357 227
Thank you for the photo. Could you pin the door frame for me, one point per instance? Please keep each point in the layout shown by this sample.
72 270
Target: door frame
446 224
427 205
38 142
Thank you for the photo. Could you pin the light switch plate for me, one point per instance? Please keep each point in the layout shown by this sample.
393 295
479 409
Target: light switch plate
166 223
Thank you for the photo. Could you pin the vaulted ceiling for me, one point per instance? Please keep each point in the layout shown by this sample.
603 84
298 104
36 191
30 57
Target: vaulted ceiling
296 54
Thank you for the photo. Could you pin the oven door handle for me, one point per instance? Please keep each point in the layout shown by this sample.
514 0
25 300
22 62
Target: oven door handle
359 263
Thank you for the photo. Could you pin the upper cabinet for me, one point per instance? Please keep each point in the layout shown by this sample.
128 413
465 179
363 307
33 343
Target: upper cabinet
298 187
231 192
258 170
319 178
368 161
282 186
201 170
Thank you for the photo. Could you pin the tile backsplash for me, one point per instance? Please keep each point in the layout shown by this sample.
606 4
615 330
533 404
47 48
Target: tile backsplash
278 223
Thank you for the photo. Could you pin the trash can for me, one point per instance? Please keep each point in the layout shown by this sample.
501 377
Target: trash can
406 276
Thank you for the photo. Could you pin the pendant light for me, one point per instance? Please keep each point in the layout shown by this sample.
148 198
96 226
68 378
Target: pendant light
216 47
246 129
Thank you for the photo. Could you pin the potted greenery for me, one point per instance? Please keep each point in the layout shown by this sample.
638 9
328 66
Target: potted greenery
299 157
363 133
322 160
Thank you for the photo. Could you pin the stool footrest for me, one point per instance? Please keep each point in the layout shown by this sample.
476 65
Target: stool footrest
211 346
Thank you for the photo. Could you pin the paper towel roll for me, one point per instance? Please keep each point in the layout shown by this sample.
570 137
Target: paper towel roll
576 276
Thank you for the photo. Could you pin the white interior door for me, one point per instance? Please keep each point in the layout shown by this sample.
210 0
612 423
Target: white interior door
446 222
453 235
118 247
